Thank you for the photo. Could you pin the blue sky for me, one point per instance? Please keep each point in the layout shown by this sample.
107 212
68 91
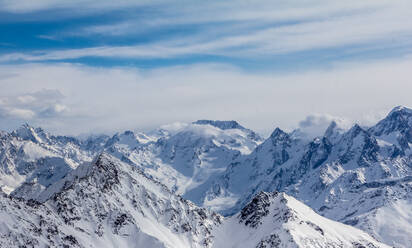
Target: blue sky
228 45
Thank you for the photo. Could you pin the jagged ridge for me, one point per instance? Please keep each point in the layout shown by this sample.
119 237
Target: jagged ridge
278 220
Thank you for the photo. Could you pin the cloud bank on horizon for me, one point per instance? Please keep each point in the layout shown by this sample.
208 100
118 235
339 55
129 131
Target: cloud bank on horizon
80 66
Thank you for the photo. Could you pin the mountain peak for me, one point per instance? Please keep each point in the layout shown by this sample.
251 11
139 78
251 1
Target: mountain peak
330 128
258 208
278 134
27 132
220 124
26 126
333 132
401 109
399 119
356 127
105 166
278 220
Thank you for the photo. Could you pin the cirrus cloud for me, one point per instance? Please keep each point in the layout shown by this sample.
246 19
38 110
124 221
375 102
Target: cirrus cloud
239 30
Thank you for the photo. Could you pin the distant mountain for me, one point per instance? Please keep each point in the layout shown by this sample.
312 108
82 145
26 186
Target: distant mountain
225 125
220 124
33 156
188 160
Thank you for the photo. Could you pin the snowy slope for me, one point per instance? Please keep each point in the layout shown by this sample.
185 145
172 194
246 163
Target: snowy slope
109 203
106 204
32 156
244 175
361 176
354 177
278 220
188 159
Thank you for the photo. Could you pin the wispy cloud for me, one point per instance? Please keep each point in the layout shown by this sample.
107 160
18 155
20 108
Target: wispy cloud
26 6
106 99
270 32
227 14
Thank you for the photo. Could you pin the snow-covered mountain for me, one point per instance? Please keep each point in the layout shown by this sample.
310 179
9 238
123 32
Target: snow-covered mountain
360 176
278 220
105 204
109 203
190 158
34 157
186 160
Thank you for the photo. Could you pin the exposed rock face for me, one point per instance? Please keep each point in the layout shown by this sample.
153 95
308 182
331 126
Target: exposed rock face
354 176
106 204
278 220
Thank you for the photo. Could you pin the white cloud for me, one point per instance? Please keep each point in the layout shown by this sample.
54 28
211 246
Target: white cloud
103 99
316 124
174 127
27 6
17 113
248 14
29 106
247 29
107 99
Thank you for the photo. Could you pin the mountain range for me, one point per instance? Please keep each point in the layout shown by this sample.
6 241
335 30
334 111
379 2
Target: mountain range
209 184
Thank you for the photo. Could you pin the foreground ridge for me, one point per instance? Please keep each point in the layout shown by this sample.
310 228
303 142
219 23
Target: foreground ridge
106 204
278 220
